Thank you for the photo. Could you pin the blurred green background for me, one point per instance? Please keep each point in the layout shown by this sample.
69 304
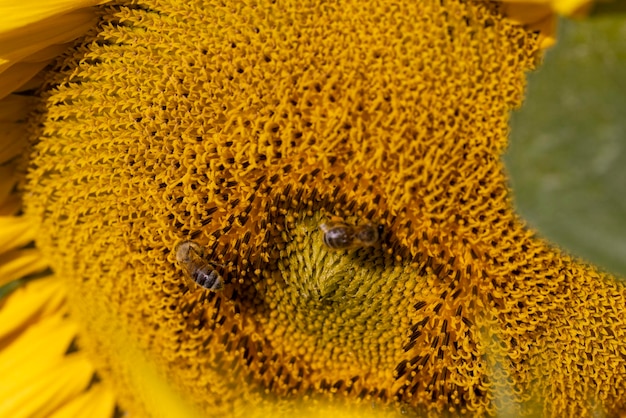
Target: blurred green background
567 152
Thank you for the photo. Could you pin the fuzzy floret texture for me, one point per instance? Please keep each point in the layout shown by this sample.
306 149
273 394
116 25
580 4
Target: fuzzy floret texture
243 126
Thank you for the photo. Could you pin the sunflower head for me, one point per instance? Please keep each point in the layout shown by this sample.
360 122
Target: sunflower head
270 121
295 206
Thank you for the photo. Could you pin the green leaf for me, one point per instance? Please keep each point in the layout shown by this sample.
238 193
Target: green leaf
8 288
567 153
608 7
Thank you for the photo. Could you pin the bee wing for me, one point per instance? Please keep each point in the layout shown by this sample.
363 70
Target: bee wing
186 251
367 234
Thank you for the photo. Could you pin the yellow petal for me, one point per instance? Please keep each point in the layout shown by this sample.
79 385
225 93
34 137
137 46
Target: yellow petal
161 398
14 107
18 14
527 11
546 26
13 140
30 31
17 76
33 83
7 181
47 393
43 296
541 15
14 232
20 263
97 402
45 54
574 8
26 41
519 10
36 351
11 205
535 15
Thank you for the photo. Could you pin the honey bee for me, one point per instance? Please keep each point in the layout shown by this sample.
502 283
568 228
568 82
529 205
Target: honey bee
341 236
191 257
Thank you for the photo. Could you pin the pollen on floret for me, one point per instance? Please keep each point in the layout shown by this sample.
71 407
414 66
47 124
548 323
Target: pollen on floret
244 128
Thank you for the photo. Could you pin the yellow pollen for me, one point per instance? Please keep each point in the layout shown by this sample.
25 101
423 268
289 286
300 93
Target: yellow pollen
242 127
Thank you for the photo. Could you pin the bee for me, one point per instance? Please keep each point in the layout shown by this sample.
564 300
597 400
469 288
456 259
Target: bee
191 257
341 236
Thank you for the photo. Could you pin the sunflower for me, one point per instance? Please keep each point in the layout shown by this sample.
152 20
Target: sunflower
541 15
330 171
